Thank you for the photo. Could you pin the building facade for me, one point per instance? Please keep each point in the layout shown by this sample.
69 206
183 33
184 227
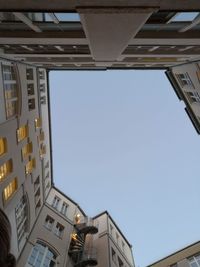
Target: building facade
185 80
186 257
48 228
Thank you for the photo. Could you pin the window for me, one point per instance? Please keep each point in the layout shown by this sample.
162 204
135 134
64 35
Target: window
123 246
194 261
42 150
21 219
27 150
5 169
38 123
31 104
22 133
37 184
10 190
67 16
193 97
55 202
184 16
43 99
30 166
42 88
59 230
47 165
37 199
41 136
117 238
49 222
3 146
184 79
30 89
10 85
64 208
111 229
29 74
113 253
42 74
120 262
42 255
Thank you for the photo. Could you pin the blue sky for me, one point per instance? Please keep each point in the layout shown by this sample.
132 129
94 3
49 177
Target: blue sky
122 142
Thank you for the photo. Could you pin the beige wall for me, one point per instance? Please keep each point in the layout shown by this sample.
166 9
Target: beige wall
8 129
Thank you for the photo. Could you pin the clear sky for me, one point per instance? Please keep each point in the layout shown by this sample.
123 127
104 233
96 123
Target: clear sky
122 142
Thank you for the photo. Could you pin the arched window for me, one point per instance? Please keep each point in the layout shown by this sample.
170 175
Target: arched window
42 256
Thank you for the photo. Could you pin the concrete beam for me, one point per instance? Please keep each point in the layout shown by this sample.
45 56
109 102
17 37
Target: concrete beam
27 21
72 5
109 30
43 41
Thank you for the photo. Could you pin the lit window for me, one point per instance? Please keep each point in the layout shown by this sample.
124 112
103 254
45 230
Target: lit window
27 150
22 133
193 97
59 230
5 169
3 146
42 255
184 16
49 222
30 166
78 218
38 123
10 190
64 208
55 202
194 261
21 219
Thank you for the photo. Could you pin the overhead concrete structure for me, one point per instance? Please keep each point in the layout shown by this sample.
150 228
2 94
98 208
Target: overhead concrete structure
100 34
109 30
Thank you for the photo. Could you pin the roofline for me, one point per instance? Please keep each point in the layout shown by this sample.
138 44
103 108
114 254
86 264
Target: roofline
193 244
54 187
50 128
108 214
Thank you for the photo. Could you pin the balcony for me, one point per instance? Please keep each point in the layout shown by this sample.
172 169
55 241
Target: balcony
87 226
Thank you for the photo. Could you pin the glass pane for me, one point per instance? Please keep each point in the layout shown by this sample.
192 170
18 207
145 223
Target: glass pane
67 16
194 264
185 16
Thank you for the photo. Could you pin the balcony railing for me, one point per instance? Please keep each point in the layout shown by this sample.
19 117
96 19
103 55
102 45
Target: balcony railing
87 226
87 257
